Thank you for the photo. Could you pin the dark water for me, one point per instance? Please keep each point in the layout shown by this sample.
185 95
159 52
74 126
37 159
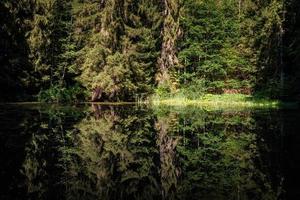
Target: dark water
131 152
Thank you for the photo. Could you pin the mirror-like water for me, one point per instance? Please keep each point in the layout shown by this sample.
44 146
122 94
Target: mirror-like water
132 152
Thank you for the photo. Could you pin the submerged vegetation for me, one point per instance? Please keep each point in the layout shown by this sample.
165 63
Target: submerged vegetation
124 50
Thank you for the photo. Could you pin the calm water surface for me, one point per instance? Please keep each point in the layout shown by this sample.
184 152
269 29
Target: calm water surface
134 152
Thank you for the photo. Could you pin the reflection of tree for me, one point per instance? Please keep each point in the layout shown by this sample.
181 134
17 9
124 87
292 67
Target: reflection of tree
114 155
217 155
14 133
40 135
271 134
42 165
126 152
167 144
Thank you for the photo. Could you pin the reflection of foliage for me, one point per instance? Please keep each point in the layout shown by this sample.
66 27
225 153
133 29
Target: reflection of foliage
217 156
129 152
41 166
167 143
114 155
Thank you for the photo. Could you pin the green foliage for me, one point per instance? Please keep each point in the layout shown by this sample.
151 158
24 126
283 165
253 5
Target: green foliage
195 89
121 56
223 101
58 94
163 91
118 50
16 70
211 46
49 40
292 48
267 20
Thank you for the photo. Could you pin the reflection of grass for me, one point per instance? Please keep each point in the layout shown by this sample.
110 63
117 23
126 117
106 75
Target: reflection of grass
205 101
224 100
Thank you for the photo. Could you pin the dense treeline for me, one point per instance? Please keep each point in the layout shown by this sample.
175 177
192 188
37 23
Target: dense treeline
65 50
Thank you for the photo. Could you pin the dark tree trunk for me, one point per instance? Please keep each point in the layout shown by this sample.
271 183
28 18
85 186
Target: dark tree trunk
170 32
97 93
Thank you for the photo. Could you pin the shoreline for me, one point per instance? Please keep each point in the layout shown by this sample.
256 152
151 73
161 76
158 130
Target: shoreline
208 100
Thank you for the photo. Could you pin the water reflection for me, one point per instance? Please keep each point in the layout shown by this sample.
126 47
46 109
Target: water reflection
133 152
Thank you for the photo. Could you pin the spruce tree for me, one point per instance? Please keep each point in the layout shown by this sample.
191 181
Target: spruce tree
266 42
49 41
170 34
15 74
141 43
211 48
122 51
97 54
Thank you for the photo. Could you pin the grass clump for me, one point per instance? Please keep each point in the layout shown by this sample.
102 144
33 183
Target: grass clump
216 100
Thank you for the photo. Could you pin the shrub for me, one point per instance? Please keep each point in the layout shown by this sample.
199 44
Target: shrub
194 89
58 94
163 90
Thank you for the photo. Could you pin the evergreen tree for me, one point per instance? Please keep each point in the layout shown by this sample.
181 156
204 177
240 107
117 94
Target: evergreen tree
104 37
49 41
141 43
15 74
264 20
291 42
211 47
122 51
170 34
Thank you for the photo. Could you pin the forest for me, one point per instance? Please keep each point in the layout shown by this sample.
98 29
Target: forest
150 99
125 50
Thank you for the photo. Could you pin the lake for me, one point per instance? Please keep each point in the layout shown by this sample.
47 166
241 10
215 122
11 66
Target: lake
143 152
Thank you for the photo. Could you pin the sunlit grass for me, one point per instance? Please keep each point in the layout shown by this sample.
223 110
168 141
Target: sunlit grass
224 100
231 101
